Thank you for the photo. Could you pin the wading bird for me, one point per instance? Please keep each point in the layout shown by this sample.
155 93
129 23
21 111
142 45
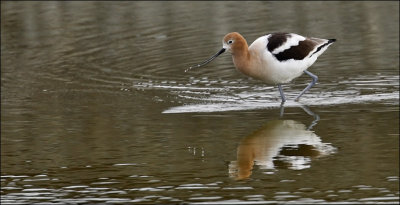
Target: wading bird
275 58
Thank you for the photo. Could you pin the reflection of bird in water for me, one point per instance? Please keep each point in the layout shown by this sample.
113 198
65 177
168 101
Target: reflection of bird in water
286 141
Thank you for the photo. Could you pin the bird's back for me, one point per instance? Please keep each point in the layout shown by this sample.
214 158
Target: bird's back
281 57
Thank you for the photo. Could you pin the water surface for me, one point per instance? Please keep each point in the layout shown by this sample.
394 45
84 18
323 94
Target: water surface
96 106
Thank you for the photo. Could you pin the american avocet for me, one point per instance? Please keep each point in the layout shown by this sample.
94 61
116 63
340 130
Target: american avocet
275 58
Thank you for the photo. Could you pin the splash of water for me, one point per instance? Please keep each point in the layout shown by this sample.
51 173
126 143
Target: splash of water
191 67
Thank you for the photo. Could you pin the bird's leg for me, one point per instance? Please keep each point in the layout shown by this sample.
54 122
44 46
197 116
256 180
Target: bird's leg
314 80
281 109
281 92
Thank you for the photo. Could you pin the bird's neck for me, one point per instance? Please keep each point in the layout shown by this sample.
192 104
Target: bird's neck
241 59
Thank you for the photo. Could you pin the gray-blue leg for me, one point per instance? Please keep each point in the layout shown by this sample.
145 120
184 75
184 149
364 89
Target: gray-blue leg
282 110
314 80
281 92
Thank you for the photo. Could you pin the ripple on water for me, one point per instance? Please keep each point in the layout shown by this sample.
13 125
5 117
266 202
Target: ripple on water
126 164
196 186
205 95
157 193
229 103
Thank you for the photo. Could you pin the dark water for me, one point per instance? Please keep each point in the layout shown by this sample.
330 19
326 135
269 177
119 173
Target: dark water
96 106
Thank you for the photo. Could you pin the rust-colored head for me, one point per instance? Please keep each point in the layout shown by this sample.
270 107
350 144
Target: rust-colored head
234 42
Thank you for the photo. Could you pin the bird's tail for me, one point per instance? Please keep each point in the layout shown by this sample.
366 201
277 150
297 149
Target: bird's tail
331 40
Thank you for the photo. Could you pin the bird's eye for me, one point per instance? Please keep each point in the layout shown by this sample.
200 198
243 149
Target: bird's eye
230 42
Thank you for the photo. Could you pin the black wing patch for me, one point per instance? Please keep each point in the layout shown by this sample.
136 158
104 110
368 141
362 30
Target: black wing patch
298 52
276 40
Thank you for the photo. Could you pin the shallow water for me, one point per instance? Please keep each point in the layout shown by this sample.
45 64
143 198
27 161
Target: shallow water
96 106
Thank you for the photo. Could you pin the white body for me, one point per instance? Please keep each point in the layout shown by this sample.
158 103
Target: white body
267 68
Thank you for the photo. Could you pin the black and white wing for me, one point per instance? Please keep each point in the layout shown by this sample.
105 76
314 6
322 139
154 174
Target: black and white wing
287 46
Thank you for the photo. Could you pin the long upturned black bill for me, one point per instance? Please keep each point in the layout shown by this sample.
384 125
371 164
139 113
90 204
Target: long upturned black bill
209 60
